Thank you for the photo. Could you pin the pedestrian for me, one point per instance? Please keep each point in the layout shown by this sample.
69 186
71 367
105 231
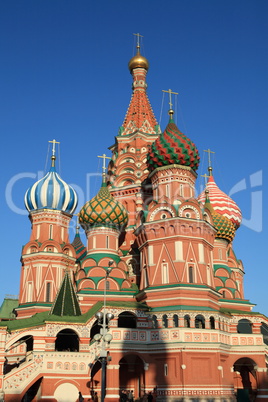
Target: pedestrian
130 396
80 397
96 398
150 397
124 396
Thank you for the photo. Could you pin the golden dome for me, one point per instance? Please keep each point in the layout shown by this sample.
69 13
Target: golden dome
138 61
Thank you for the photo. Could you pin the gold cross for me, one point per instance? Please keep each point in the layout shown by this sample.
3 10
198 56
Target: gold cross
138 39
104 157
209 152
54 142
170 99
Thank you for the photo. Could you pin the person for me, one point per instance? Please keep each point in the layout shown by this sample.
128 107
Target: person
96 398
123 396
80 397
130 396
150 397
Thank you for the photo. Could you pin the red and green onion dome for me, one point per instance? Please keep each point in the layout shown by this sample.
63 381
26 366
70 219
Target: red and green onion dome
173 147
222 203
103 210
225 227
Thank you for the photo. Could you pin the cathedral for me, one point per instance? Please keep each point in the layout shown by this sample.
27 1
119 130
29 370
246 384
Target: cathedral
154 301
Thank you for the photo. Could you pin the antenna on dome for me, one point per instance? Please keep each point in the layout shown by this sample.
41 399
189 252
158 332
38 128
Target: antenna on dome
53 157
209 161
170 92
104 157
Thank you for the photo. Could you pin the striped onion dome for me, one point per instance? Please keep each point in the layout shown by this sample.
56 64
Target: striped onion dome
51 192
225 227
103 210
173 147
222 203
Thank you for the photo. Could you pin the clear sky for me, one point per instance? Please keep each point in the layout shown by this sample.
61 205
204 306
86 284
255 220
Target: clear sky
64 75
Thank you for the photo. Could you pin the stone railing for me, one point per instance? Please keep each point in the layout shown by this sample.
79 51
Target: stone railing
185 335
46 362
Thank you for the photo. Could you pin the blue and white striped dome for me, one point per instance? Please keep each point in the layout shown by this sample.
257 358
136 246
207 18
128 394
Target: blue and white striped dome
51 192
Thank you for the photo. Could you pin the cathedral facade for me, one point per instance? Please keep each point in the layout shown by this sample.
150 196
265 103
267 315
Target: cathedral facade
154 301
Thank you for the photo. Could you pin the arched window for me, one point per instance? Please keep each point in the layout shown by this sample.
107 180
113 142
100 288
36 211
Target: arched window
199 321
212 322
95 329
67 340
187 321
127 320
165 321
154 321
175 320
264 331
244 326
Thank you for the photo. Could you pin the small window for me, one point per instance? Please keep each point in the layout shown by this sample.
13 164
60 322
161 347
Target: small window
165 278
212 322
187 321
165 321
175 320
50 231
167 191
165 369
154 321
48 292
191 274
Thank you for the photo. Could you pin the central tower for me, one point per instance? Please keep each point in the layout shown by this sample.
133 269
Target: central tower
128 171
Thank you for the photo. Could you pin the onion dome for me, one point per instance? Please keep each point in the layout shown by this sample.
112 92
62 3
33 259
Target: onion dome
225 227
221 202
51 192
173 147
138 61
103 210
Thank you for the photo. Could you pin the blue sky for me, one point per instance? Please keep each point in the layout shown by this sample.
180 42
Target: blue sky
64 75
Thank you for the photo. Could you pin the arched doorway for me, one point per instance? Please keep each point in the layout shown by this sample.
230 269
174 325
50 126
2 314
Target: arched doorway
131 375
245 379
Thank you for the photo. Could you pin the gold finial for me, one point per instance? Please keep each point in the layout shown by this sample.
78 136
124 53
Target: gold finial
104 157
209 160
171 111
53 157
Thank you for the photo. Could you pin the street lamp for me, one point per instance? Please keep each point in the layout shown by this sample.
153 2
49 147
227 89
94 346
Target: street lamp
104 336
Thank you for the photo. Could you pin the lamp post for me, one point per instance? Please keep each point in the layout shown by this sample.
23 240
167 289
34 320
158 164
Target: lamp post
104 336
